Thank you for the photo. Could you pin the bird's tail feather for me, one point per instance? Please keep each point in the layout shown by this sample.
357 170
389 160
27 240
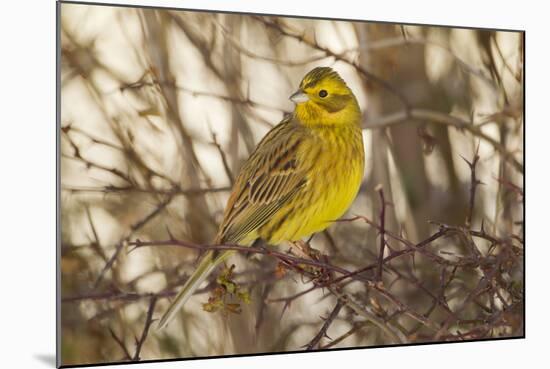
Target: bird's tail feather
208 263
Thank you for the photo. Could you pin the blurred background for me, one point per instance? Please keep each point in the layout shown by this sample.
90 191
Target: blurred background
159 109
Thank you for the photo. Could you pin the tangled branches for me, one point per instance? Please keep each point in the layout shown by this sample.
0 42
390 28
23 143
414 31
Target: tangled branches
493 295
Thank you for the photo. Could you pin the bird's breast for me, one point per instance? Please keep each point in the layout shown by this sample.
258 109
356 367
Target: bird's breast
334 162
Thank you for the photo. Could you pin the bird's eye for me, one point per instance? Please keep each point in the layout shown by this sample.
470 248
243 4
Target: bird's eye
323 93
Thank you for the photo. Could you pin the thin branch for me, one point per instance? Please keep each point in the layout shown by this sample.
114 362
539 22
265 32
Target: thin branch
241 49
323 331
289 260
223 158
474 182
77 155
382 234
117 296
511 186
153 191
69 127
141 84
447 120
148 321
133 228
366 313
121 344
95 244
339 57
405 41
356 327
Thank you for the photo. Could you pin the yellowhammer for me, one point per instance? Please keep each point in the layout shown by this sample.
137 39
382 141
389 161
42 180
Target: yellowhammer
303 175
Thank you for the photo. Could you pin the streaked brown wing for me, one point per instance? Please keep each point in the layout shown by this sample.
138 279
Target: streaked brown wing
267 181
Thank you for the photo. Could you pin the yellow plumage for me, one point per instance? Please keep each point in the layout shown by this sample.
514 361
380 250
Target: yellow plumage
303 175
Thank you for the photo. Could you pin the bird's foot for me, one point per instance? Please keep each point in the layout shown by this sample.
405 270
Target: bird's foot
306 251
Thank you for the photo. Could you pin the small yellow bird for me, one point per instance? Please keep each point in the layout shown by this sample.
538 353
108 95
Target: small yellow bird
303 175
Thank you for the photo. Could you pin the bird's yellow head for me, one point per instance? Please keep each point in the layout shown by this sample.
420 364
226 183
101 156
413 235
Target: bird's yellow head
325 99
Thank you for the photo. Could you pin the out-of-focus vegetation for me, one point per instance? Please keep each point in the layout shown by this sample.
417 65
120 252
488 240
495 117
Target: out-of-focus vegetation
160 108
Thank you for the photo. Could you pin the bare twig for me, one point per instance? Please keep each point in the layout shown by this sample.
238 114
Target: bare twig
365 312
447 120
382 234
153 191
313 44
92 164
133 228
323 331
289 260
121 344
168 84
356 327
223 158
148 321
95 244
474 182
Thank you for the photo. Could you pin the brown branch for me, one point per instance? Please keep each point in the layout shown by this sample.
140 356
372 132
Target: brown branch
96 140
148 321
365 312
382 234
241 49
411 246
474 182
406 41
289 260
133 228
289 299
447 120
153 191
168 84
511 186
478 234
223 158
437 300
323 331
356 327
482 284
116 295
262 309
77 156
121 344
338 57
516 75
95 244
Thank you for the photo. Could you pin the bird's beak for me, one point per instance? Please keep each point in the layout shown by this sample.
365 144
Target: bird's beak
299 97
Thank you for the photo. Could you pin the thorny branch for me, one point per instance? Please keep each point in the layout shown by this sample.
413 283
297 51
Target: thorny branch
474 182
300 265
148 321
356 327
323 331
289 260
382 234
